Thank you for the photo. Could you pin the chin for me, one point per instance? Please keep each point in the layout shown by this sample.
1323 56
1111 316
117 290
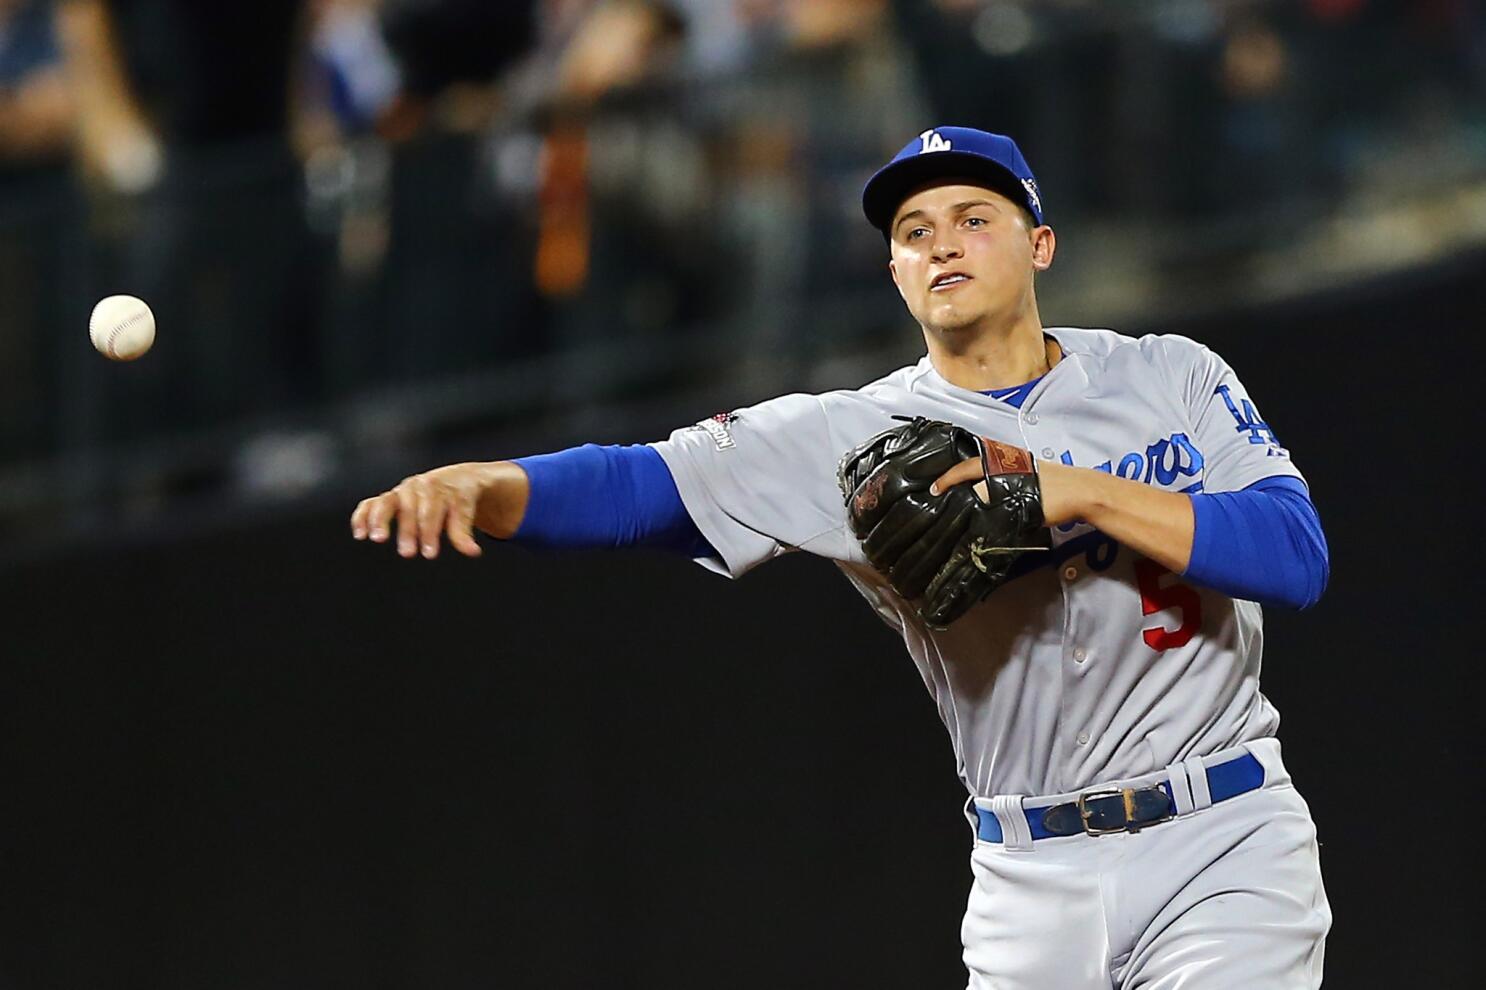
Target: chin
948 319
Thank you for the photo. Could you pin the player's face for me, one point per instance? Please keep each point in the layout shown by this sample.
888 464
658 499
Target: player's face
963 253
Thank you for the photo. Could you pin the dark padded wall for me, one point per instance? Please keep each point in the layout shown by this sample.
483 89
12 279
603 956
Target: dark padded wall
278 758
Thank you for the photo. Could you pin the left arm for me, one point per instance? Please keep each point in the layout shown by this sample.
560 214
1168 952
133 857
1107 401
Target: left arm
1149 521
1145 519
1262 544
1158 524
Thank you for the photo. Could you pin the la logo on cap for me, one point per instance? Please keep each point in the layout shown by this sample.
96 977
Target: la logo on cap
933 141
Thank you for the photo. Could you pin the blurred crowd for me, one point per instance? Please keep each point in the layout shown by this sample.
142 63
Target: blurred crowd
323 196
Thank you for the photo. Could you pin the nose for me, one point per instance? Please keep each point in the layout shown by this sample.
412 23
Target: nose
946 246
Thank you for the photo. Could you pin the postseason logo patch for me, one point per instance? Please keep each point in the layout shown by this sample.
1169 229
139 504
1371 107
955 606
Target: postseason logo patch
717 428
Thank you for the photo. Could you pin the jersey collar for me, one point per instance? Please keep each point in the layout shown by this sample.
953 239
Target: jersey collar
1069 369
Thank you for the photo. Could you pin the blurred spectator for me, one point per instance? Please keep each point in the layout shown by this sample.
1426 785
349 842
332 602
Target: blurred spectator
37 225
1258 152
509 178
617 164
354 62
457 291
718 41
620 44
185 109
36 109
453 52
1041 72
813 24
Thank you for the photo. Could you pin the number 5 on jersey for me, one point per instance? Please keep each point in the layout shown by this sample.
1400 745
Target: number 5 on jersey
1154 597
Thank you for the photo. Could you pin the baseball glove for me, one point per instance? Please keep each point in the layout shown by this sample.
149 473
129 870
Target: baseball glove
949 551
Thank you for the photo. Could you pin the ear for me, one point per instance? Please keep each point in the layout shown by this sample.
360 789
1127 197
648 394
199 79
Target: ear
892 267
1044 246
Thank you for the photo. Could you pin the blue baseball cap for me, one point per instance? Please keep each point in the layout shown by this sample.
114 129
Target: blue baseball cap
951 152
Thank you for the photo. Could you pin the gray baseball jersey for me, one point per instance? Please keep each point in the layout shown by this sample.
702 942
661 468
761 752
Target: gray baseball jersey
1093 663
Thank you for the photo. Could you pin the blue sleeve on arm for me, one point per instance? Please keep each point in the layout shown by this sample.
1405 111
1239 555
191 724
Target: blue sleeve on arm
593 497
1262 544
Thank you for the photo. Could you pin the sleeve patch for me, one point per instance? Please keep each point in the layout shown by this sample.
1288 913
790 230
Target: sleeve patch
717 428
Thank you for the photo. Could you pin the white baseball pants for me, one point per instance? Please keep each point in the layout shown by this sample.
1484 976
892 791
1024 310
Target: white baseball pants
1221 897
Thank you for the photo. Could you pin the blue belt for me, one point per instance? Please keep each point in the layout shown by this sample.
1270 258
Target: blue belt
1105 810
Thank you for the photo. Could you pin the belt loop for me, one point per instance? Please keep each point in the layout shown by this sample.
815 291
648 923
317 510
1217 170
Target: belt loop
972 815
1197 777
1016 834
1181 789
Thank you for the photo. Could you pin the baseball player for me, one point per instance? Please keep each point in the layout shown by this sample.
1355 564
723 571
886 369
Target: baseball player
1072 529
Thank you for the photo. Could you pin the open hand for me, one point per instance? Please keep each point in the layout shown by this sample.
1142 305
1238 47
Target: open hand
426 506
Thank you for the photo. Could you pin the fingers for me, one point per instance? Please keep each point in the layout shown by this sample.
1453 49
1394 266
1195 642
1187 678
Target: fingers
967 470
424 510
432 504
460 528
407 520
358 518
376 514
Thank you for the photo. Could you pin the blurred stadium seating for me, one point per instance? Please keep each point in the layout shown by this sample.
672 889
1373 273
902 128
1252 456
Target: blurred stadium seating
580 205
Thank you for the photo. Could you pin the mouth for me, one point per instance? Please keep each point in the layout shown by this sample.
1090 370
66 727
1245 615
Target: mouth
947 281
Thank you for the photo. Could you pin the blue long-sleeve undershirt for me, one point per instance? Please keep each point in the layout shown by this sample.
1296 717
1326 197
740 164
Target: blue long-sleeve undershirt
593 497
1262 544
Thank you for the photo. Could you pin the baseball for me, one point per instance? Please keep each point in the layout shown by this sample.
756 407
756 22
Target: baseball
122 327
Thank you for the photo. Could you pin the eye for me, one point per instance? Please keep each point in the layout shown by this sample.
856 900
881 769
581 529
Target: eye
913 234
974 223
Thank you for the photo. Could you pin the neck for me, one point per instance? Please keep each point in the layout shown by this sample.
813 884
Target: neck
986 357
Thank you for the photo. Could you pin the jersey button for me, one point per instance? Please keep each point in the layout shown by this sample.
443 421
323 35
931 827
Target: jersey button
1080 655
1083 738
1047 453
1070 572
1031 417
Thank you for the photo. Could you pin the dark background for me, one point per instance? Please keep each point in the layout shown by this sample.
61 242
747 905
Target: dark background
239 750
256 753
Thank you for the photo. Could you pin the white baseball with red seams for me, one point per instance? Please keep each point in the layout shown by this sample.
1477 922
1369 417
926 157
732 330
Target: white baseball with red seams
122 328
